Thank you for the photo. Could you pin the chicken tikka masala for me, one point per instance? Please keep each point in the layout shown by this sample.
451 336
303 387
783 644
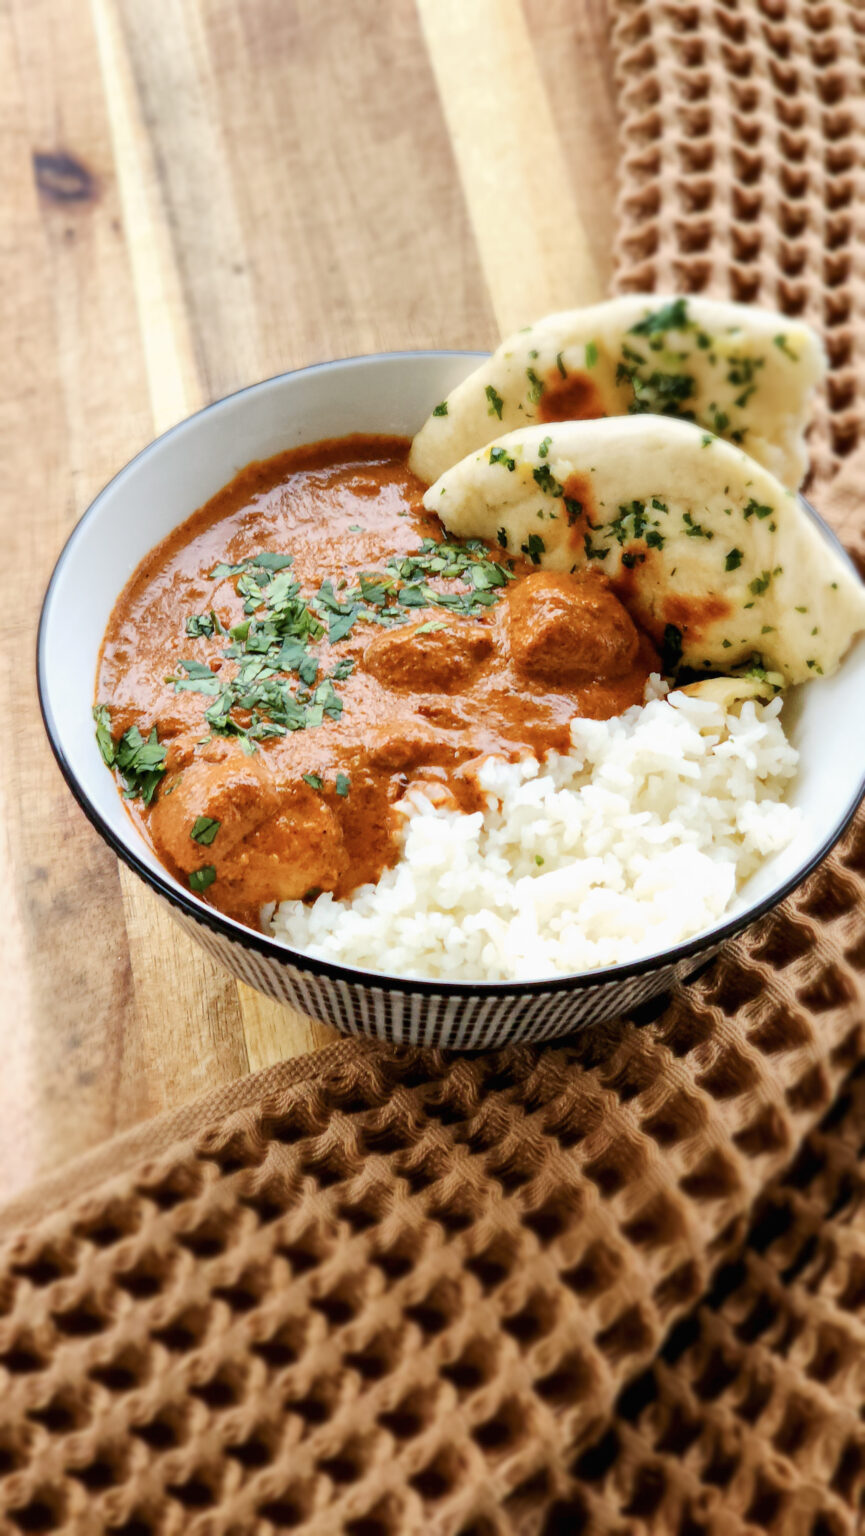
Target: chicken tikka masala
309 644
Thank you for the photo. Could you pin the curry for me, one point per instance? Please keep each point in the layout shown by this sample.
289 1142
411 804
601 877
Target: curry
309 644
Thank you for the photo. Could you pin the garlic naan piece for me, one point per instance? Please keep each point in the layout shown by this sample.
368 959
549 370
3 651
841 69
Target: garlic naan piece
716 560
745 374
730 691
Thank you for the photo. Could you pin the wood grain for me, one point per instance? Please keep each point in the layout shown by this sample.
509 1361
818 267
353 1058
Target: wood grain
533 243
197 195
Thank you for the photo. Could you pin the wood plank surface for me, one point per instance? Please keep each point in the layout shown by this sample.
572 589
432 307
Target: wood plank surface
198 194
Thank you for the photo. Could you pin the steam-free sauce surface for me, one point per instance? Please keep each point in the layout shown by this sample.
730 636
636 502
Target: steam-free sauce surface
304 652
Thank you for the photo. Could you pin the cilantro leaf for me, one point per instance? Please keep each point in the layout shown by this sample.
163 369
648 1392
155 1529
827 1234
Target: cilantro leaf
495 402
104 738
547 481
140 763
536 386
670 317
754 509
204 830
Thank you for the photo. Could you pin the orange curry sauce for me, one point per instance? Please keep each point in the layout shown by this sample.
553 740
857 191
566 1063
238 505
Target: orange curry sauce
420 701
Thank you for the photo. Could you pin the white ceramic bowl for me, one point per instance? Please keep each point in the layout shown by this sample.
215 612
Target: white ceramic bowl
168 481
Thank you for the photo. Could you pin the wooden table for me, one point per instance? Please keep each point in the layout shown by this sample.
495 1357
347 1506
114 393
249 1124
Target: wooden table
197 194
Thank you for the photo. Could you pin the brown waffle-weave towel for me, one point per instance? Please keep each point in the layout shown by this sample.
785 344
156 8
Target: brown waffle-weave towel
614 1287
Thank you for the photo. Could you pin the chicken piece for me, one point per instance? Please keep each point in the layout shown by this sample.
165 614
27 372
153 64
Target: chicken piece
564 629
300 849
273 842
429 660
221 783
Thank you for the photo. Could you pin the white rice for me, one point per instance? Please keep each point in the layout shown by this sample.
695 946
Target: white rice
632 842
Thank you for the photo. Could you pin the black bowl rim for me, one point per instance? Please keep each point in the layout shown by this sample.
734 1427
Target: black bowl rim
282 954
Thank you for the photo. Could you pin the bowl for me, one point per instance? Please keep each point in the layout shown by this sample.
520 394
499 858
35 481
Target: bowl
179 472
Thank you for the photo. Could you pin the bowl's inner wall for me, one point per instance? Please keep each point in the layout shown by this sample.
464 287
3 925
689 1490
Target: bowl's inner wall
388 394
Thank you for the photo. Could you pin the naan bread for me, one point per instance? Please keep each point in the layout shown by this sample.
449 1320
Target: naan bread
746 374
717 561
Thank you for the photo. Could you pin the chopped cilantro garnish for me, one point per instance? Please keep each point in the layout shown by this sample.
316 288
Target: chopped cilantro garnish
783 345
741 373
204 625
199 678
265 561
560 365
573 509
547 481
204 830
200 879
495 402
502 537
733 560
501 456
760 583
104 738
695 530
139 761
655 391
669 317
633 522
593 551
314 780
591 354
441 409
754 509
534 548
430 627
544 447
343 784
536 386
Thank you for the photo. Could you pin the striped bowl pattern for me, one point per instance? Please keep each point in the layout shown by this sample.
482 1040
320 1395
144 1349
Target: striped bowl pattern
401 1016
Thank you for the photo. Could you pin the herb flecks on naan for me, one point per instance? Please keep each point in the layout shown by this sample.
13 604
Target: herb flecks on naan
745 374
711 555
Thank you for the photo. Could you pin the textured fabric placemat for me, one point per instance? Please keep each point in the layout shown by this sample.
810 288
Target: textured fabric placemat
617 1286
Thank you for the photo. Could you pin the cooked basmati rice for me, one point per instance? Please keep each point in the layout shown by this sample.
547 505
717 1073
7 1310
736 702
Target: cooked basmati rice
632 842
